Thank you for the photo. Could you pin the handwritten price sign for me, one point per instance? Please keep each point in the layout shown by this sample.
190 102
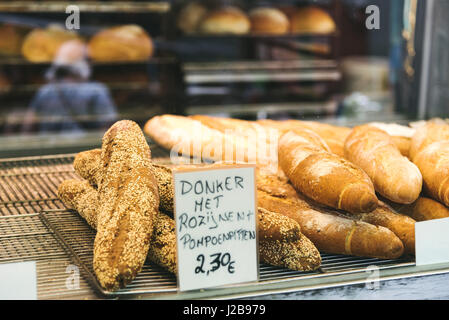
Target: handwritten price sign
215 212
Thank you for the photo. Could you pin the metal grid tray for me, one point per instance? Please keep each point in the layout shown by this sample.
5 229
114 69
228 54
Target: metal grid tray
35 226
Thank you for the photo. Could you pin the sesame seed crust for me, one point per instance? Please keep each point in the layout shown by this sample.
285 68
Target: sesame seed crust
128 203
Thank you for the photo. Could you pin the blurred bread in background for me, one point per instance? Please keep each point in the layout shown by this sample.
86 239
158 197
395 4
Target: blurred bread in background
190 17
121 43
225 20
312 19
41 45
266 20
11 39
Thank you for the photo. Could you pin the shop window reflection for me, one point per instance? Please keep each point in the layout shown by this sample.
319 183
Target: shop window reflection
70 102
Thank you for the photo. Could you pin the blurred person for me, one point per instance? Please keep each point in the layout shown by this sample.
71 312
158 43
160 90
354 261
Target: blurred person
69 102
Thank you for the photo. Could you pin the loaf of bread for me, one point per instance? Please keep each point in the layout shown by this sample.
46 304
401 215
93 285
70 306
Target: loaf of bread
394 176
11 38
334 136
312 19
291 249
190 17
121 43
82 197
282 244
324 176
329 232
430 152
42 45
128 206
191 138
225 20
423 209
401 225
401 135
266 20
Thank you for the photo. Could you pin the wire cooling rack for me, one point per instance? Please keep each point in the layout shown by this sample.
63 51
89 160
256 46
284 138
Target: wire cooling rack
36 226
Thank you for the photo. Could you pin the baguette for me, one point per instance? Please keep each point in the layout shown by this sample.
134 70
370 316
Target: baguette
293 250
430 152
334 234
128 206
87 166
82 197
423 209
401 225
400 135
334 136
394 176
324 176
188 137
330 231
282 244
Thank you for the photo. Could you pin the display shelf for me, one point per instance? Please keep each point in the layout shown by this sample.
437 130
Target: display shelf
86 6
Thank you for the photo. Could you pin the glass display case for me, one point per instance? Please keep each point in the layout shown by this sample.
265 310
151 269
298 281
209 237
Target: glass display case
343 74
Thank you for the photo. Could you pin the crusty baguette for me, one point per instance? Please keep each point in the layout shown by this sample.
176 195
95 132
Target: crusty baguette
394 176
189 137
334 234
334 136
423 209
324 176
430 152
87 165
128 206
403 144
82 197
330 231
282 244
400 134
402 225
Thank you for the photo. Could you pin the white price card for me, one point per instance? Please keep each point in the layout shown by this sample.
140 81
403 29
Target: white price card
432 241
216 226
18 281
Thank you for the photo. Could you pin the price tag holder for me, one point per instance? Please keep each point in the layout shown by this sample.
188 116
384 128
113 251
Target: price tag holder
216 226
18 281
432 241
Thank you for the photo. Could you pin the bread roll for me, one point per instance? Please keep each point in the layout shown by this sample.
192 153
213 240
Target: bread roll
121 43
266 20
324 176
424 209
394 176
190 17
430 152
41 45
226 20
312 19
